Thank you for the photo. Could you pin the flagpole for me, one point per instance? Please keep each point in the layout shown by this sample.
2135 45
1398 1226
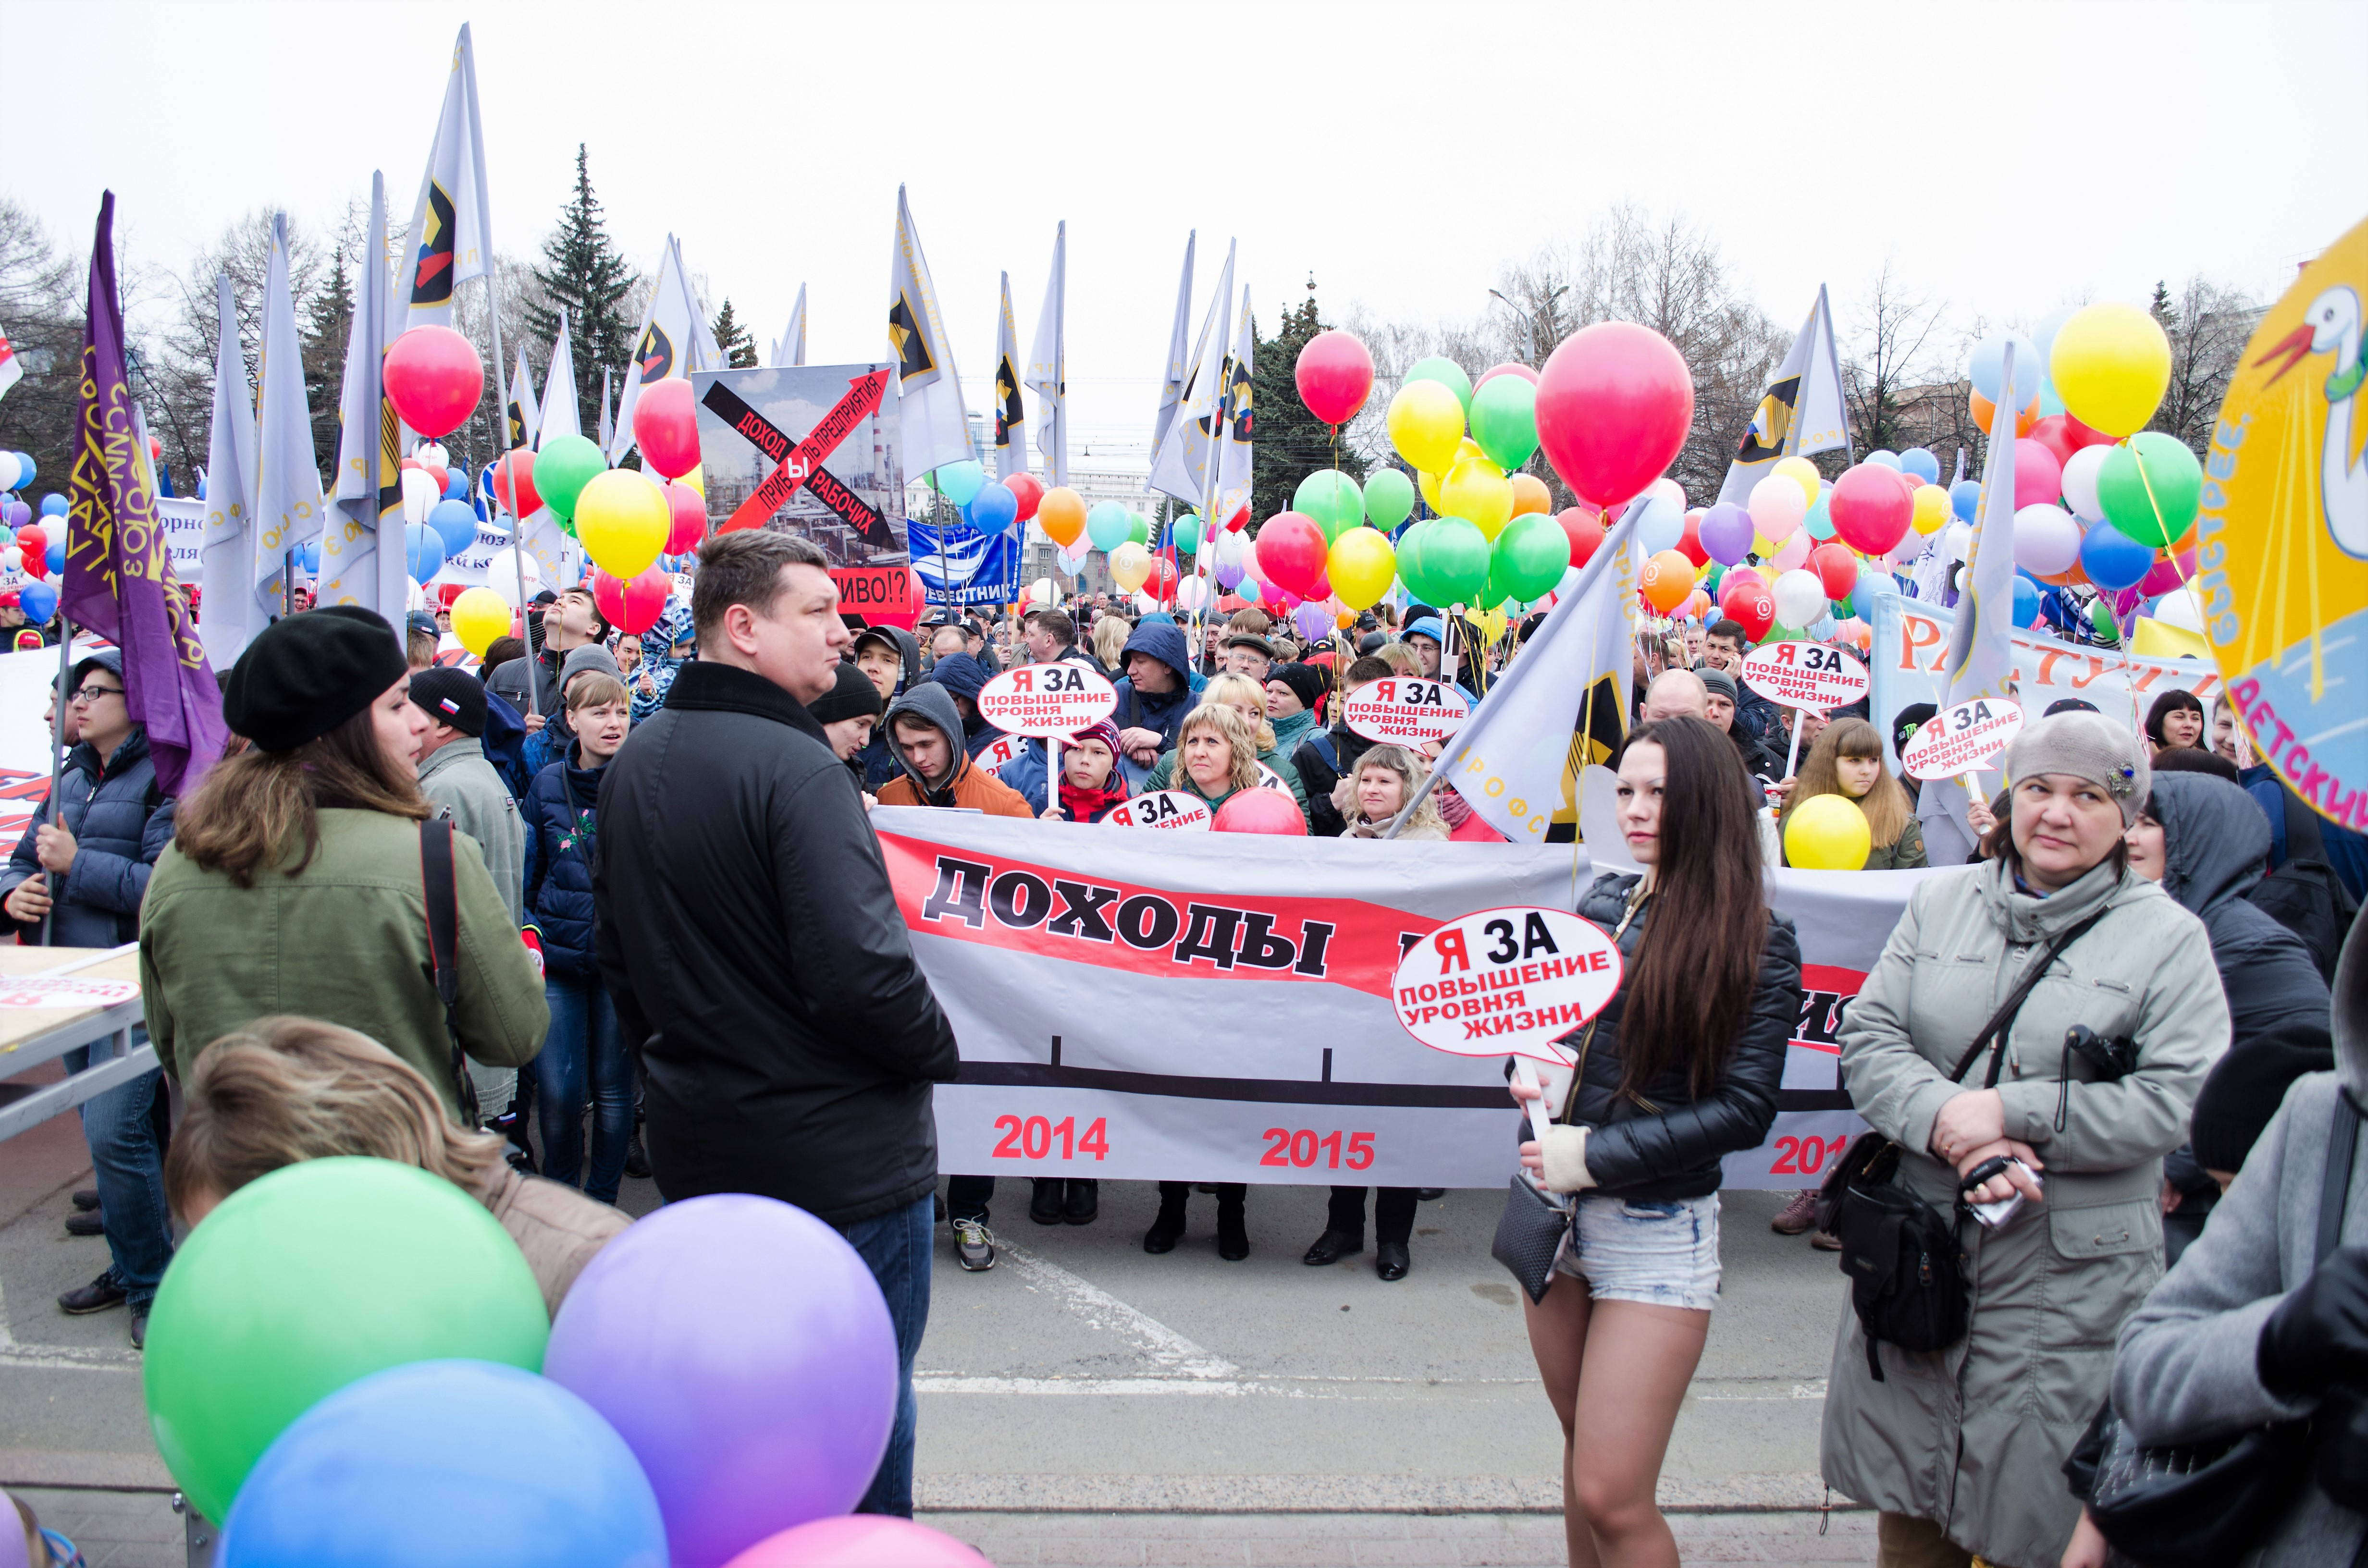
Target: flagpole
58 753
518 523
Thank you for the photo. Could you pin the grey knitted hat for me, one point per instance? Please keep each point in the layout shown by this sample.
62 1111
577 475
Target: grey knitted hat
2085 745
1720 682
591 656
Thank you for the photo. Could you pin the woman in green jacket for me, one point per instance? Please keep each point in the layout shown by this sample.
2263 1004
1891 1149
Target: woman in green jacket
294 884
1245 697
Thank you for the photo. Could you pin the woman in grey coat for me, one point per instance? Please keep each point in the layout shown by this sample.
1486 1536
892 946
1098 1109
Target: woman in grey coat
1959 1448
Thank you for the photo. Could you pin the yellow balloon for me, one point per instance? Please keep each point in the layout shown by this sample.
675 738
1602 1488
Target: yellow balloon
1762 546
1426 422
1931 513
1360 565
1427 483
1130 565
479 616
1801 472
2111 364
696 479
1477 489
622 520
1492 625
1827 833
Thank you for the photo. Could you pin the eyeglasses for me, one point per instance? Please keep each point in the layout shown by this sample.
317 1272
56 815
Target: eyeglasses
87 694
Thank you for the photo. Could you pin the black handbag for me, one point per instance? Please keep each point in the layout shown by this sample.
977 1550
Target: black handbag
1905 1266
2202 1505
1531 1229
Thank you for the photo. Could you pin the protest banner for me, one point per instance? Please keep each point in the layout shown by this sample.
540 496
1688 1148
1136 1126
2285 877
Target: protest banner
882 596
184 525
864 473
1403 711
801 464
1097 985
1177 810
1960 739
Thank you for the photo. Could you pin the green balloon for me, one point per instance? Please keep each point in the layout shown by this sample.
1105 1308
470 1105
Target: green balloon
1505 421
2150 488
1139 530
1332 499
2100 615
1531 551
563 466
312 1279
1389 498
1444 561
1447 374
1187 533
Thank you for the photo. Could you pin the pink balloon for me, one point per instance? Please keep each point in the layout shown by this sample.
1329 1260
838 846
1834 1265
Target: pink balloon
1869 510
1507 368
2038 476
1260 810
1335 374
2160 579
1290 553
1616 403
665 426
1793 552
687 509
859 1540
434 378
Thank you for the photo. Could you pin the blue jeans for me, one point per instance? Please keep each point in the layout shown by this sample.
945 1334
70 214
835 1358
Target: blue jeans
896 1246
583 1042
120 1128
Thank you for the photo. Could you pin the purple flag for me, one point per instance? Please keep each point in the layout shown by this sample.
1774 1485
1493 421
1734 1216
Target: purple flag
118 575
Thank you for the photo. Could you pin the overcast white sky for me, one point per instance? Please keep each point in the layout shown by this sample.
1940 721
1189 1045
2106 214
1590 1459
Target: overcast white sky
2004 157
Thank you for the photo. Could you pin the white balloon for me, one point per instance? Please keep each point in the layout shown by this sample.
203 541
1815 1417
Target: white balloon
10 474
1670 490
1777 506
1042 591
1957 541
1800 597
2046 539
432 453
1192 595
414 595
2177 608
502 577
419 495
2080 483
1569 580
1232 547
1249 563
1144 603
11 559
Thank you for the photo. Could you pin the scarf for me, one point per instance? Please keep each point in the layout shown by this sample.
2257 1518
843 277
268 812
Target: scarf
1085 805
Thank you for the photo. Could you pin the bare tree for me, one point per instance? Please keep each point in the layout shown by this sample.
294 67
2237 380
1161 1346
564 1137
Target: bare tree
2208 324
41 308
1889 353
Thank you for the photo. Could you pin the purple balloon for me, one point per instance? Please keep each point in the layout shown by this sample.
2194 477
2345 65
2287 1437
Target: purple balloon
1726 533
1228 575
1314 621
742 1350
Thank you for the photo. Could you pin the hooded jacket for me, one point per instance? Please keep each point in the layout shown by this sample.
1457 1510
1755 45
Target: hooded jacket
963 676
751 942
1160 711
878 758
120 826
970 785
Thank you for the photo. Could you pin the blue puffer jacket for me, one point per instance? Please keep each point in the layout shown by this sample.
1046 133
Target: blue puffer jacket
120 825
560 830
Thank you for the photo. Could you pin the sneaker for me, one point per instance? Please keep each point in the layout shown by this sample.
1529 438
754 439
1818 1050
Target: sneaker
96 1297
1825 1240
140 1326
85 1198
973 1246
91 1223
1799 1215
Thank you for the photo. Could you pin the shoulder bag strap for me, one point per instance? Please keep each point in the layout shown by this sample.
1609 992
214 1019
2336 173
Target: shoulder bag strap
2342 1143
2003 1019
443 899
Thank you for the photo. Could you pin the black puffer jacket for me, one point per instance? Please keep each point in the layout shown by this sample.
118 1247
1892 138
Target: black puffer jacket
753 946
120 825
1673 1150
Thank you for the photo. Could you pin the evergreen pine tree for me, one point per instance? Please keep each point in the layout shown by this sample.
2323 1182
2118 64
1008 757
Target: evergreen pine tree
2162 310
1291 443
328 322
733 336
583 274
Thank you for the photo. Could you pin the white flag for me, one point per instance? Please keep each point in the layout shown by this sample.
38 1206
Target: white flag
1181 467
288 481
790 348
1048 364
928 388
608 415
228 620
1981 653
674 342
523 418
1232 489
1179 351
451 233
1557 707
559 415
1800 413
1010 414
368 511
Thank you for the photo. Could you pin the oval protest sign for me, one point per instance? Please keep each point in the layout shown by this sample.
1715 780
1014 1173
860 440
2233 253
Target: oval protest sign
1267 778
1404 711
1163 808
1958 739
1804 675
1004 749
1511 981
1045 700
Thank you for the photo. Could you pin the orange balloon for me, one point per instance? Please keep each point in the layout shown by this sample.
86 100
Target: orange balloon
1984 408
1666 581
1344 620
1062 515
1531 495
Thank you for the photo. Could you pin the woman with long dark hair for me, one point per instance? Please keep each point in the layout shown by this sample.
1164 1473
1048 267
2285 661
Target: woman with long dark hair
2175 718
1678 1070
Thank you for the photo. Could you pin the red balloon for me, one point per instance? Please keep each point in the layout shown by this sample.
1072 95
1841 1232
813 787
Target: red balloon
665 426
514 483
1161 584
1584 526
2038 476
1745 599
36 564
1335 375
1027 490
1836 569
2080 435
2050 433
1616 403
32 541
687 508
631 604
1290 553
1260 810
442 476
434 378
1871 509
1507 368
1690 543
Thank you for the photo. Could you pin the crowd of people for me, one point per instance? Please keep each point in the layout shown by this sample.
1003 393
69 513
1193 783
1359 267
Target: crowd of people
450 915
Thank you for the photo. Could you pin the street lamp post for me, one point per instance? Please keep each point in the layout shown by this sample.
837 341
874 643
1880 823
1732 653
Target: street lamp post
1526 319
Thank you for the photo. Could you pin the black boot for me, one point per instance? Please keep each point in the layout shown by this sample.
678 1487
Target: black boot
1233 1232
1390 1260
1332 1246
1044 1203
1169 1225
1085 1201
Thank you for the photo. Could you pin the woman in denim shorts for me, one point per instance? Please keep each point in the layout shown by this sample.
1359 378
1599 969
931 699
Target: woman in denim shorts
1678 1070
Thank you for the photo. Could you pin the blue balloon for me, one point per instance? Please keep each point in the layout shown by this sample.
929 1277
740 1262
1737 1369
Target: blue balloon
308 556
56 555
455 523
958 481
456 483
423 551
2026 601
1966 498
54 504
2112 559
994 509
1882 458
1874 586
1660 526
24 470
370 1477
1820 519
1920 462
1989 365
39 601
